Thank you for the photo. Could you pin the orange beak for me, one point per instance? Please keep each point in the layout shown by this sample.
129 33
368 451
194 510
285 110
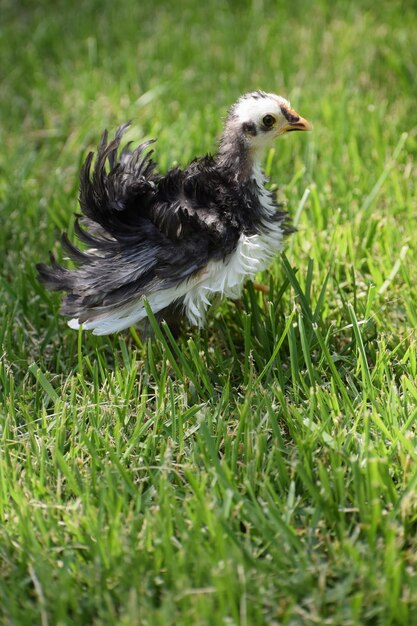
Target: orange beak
296 122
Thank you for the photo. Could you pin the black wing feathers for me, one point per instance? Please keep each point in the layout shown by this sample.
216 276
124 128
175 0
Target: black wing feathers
129 182
144 232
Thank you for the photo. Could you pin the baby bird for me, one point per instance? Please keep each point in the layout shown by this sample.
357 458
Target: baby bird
174 240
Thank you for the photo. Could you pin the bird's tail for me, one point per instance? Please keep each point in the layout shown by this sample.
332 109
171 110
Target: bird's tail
119 260
111 191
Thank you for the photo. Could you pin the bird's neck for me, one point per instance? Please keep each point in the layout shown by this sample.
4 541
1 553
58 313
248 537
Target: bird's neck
235 157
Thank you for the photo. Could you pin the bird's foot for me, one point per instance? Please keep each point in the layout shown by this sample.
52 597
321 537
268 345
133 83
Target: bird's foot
261 287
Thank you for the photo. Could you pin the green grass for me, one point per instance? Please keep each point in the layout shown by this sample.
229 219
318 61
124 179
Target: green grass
262 471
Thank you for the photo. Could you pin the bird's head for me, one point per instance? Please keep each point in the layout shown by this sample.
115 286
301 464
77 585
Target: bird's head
255 120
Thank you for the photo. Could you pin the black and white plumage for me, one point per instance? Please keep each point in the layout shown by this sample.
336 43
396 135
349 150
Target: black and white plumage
179 239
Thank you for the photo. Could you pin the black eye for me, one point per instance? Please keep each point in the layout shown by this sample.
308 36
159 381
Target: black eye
268 121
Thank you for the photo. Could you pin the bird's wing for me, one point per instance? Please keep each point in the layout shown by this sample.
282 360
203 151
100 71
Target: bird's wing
123 199
145 232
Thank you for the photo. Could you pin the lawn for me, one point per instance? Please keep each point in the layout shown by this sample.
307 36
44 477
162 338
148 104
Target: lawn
261 471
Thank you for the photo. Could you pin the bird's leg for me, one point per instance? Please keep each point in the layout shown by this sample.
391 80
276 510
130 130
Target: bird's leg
261 287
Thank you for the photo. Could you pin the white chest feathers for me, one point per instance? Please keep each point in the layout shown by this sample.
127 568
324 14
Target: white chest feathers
253 254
